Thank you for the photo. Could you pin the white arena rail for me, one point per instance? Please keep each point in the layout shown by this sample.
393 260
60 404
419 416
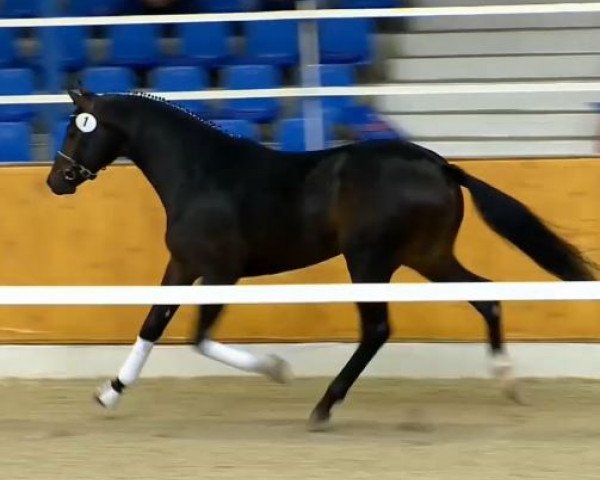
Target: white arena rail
357 91
520 9
300 294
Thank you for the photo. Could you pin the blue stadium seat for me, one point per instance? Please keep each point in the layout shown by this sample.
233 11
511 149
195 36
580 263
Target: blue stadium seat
15 142
205 43
216 6
135 46
86 8
108 79
346 40
243 128
72 48
273 42
241 77
178 79
369 3
290 135
20 8
8 52
16 81
333 75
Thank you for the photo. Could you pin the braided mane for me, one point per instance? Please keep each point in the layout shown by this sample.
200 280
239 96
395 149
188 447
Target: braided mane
194 115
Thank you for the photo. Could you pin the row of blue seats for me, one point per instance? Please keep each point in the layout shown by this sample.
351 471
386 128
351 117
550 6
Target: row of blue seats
16 137
34 8
20 81
208 44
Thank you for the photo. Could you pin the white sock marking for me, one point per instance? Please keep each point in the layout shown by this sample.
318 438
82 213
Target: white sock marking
233 357
131 369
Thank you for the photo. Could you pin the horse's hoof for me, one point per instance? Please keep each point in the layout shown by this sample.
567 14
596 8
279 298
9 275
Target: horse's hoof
107 396
319 421
278 369
513 393
503 371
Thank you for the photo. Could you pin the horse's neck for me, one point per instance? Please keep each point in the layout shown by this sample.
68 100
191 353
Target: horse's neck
166 172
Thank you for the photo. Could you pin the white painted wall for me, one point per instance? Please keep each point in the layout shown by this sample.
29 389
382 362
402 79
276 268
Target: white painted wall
410 360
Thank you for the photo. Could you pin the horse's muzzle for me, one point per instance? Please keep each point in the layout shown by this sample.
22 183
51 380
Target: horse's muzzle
59 186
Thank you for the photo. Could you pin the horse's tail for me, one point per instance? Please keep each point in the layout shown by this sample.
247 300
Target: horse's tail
513 221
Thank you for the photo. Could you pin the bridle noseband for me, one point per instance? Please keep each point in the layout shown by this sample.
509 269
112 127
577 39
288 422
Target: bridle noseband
74 169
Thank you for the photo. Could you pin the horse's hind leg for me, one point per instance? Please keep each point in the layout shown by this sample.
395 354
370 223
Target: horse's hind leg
271 366
453 271
152 329
365 266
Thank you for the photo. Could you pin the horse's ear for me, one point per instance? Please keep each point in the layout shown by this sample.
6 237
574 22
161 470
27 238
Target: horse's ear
82 99
84 91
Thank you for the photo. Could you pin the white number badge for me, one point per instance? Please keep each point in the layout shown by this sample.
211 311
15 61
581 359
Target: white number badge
86 122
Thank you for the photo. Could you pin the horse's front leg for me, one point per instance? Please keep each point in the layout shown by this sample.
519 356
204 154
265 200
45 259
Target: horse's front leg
152 329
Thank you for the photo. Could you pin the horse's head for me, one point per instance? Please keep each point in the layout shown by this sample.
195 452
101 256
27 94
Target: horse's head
90 144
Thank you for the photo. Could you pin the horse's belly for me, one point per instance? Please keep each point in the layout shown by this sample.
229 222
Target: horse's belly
287 256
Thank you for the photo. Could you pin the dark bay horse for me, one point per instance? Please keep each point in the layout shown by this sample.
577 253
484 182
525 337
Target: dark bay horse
236 209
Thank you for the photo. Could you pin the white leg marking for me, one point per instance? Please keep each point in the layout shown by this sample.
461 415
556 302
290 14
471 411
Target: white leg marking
502 369
131 369
501 365
233 357
107 396
272 366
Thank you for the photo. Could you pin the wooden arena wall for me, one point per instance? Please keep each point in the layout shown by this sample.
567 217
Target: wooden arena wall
111 233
